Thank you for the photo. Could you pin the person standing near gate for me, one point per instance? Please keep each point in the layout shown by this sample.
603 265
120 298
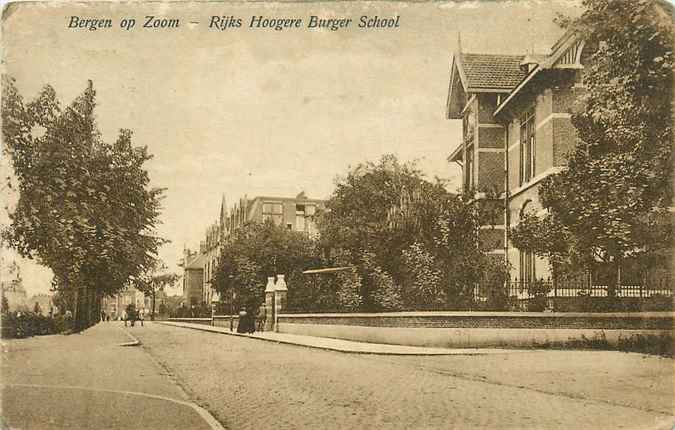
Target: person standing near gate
243 317
261 317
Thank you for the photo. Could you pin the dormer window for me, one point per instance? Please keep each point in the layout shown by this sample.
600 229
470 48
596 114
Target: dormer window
528 64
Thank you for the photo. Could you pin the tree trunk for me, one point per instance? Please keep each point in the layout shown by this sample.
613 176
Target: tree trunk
152 314
85 314
97 307
76 303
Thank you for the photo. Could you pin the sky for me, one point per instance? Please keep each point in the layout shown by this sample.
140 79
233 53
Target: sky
263 112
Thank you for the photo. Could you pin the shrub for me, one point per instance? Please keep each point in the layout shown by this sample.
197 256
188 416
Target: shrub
538 291
424 286
386 293
15 325
647 344
348 291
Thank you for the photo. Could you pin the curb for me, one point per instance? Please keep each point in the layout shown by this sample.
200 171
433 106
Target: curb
462 352
203 413
134 340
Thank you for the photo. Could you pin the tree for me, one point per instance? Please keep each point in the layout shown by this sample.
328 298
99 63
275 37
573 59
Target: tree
370 207
415 245
259 250
460 252
611 203
369 217
85 208
154 281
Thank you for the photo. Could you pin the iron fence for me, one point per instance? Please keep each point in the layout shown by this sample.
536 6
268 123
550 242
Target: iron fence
584 288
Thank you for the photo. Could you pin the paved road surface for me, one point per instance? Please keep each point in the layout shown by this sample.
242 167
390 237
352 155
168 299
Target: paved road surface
88 381
249 383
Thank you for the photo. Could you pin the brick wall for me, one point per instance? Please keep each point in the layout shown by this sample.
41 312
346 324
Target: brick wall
487 103
492 238
514 154
491 212
544 147
564 136
490 171
491 137
551 320
563 100
544 105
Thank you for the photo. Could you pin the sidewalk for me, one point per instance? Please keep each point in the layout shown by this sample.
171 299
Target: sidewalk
99 379
341 345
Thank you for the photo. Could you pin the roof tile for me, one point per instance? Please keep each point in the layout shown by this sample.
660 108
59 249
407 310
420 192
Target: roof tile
492 71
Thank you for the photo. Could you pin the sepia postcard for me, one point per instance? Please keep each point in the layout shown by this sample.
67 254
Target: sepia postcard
337 215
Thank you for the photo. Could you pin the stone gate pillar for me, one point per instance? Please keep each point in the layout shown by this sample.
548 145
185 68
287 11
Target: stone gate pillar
269 304
280 293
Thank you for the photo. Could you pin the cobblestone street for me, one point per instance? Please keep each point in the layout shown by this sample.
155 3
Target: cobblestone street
248 383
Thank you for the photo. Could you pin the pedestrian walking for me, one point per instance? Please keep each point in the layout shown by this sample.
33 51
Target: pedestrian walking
124 317
250 322
141 317
261 317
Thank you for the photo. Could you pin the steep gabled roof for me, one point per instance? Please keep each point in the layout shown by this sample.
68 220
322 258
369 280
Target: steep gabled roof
196 263
491 71
481 73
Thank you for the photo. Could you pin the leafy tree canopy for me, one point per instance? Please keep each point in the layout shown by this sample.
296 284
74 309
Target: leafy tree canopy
415 244
85 207
257 251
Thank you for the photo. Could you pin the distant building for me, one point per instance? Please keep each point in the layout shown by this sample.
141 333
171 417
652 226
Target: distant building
44 301
193 277
161 298
11 288
294 213
116 305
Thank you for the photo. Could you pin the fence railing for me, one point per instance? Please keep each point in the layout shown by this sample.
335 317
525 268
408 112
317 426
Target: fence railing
538 288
